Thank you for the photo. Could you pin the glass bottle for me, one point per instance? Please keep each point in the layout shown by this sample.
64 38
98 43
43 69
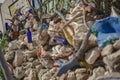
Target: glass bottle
6 26
29 35
60 40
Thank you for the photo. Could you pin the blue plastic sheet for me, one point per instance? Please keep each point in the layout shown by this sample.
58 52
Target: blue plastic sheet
106 30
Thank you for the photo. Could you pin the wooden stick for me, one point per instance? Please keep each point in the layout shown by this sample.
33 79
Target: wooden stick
4 67
80 53
67 23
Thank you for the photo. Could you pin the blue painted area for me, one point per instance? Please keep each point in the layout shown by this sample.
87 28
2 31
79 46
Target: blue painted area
106 30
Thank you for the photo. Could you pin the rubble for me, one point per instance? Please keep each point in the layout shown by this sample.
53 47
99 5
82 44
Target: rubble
92 55
19 58
12 45
43 57
107 50
116 45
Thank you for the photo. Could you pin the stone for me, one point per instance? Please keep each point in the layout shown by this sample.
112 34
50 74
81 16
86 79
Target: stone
71 76
30 46
116 45
117 67
107 50
9 56
28 24
31 75
41 72
31 59
96 73
27 71
38 67
82 76
63 77
19 58
22 45
92 55
25 39
19 73
35 62
35 26
111 76
92 41
81 70
27 65
44 37
13 45
30 54
46 60
77 40
21 37
111 59
46 76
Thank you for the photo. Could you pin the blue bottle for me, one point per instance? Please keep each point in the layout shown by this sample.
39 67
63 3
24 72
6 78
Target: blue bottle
29 35
6 26
60 40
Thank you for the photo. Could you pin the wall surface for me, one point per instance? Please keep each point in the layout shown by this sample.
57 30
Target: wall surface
5 13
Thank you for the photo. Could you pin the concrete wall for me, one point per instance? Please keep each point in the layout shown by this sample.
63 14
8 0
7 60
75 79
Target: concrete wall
5 13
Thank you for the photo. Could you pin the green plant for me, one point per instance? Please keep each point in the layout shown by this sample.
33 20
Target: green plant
4 41
1 74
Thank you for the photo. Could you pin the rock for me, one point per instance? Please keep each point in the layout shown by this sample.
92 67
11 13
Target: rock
41 72
35 62
76 9
46 76
63 77
13 45
31 75
28 24
111 59
44 37
31 59
19 58
22 32
19 73
116 45
81 70
92 55
25 39
111 76
9 56
22 45
35 26
38 67
77 40
92 41
30 46
27 71
71 76
82 76
46 60
107 50
27 65
30 54
22 37
97 72
117 67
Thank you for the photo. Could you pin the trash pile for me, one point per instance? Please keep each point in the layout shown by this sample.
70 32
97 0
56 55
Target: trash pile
43 56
